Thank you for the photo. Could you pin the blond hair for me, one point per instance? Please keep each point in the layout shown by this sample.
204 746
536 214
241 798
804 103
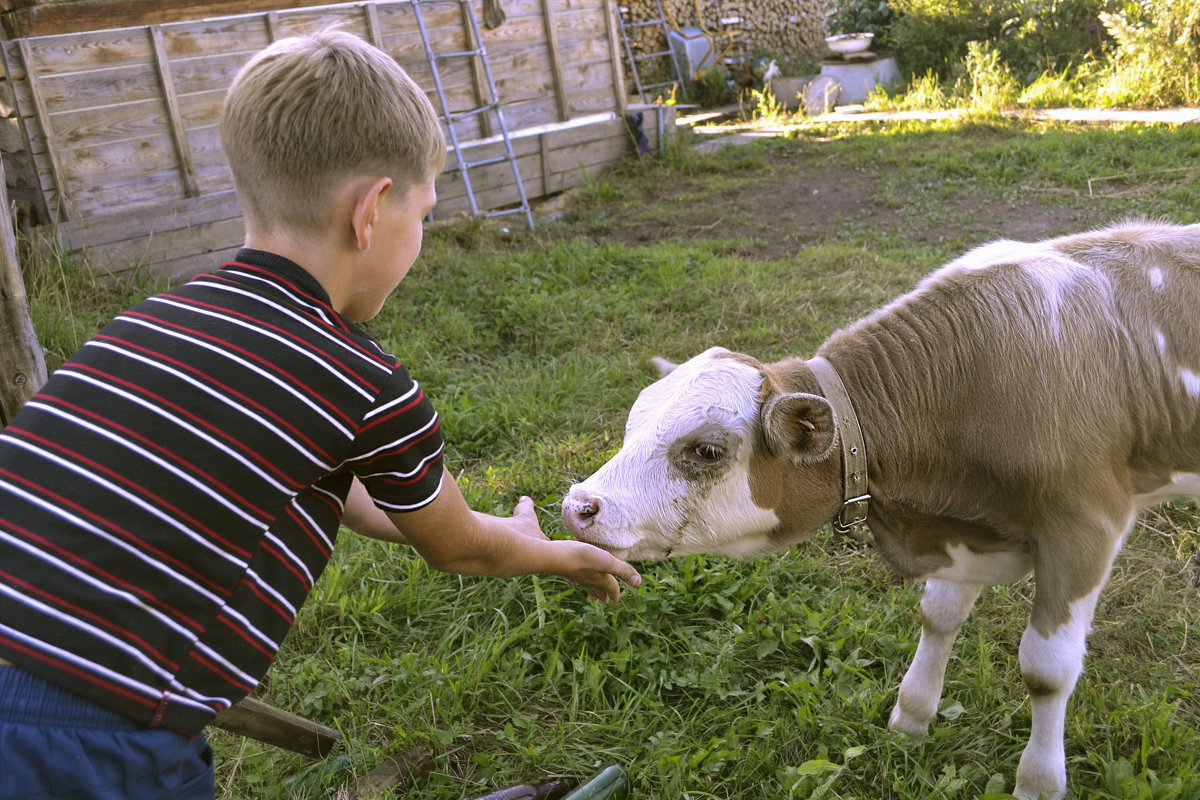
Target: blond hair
311 111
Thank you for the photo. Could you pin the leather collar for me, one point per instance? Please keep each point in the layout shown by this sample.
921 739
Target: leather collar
855 497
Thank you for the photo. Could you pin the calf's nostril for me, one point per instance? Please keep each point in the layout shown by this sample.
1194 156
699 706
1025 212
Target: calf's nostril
578 514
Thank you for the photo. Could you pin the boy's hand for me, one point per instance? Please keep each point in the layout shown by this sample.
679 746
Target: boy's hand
454 538
595 570
524 520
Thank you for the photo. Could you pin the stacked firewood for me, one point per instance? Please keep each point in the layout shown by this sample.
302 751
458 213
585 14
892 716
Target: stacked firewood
790 31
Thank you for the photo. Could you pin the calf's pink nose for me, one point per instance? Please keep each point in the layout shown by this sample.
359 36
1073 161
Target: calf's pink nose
579 512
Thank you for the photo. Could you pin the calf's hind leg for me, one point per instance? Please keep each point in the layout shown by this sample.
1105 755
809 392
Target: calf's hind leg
945 605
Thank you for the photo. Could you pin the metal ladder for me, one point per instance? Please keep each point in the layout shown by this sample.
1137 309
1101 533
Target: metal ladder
492 104
628 26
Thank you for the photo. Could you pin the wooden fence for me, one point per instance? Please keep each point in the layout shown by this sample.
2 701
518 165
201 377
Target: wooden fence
120 126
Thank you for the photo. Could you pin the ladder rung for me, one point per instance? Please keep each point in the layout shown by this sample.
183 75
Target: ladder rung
459 54
652 55
461 115
502 212
657 85
645 24
485 162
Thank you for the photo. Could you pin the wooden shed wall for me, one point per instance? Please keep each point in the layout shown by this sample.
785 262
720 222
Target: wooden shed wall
121 124
127 117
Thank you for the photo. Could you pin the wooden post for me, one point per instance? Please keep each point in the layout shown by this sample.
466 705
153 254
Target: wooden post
24 367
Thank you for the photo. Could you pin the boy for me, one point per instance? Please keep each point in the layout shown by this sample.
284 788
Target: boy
169 498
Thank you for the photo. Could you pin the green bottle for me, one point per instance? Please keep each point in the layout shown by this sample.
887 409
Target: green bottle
612 783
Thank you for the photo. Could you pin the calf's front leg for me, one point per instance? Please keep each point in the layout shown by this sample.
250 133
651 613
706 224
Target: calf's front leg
945 605
1051 662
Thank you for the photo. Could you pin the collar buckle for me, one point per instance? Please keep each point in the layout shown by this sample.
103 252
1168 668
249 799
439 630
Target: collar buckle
853 512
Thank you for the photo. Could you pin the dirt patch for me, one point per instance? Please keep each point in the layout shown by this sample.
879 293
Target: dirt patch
794 197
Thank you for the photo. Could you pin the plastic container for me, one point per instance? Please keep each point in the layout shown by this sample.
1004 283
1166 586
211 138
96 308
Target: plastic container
612 783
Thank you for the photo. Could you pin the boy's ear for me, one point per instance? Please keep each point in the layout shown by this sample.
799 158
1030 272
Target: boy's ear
366 210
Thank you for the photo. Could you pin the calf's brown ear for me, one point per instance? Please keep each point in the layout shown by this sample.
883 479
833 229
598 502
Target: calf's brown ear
800 425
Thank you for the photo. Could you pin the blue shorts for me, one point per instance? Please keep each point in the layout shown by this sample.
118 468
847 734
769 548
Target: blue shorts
56 744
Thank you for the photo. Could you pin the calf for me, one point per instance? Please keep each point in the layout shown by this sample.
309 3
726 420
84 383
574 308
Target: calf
1012 413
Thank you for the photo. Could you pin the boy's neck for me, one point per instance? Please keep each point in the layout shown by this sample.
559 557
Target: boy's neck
327 264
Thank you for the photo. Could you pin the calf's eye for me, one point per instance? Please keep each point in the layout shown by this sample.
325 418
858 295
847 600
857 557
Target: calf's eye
708 452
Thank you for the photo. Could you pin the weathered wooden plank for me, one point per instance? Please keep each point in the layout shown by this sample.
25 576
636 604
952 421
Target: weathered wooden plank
141 190
167 245
198 234
119 226
186 267
52 55
61 209
239 34
70 91
374 32
479 73
178 135
612 22
556 67
208 72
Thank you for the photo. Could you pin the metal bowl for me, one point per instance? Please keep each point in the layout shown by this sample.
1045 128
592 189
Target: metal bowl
847 43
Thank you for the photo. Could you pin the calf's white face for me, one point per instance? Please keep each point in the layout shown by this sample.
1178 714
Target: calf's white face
695 473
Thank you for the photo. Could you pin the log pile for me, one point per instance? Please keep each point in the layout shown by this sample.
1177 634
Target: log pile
791 31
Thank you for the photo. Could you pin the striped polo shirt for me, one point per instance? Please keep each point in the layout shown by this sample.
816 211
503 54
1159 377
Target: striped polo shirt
170 496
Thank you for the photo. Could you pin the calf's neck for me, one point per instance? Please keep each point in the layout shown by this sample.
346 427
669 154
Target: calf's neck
1010 414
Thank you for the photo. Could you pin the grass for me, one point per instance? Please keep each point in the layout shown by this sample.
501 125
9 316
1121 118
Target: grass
770 678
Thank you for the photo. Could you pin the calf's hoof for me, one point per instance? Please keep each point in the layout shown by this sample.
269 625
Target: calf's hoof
907 723
1040 780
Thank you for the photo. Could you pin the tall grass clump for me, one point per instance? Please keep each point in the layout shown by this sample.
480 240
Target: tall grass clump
992 88
69 301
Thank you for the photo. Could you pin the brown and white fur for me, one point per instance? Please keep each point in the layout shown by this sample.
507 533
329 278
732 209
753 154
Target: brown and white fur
1019 407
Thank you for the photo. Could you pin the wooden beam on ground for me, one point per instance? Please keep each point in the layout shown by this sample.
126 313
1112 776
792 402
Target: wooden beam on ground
274 726
396 774
24 367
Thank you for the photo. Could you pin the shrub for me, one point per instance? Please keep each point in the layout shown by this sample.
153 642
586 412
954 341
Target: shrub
1031 36
861 16
1156 61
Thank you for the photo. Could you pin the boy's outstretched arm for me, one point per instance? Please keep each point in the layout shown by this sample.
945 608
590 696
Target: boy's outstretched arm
454 538
364 517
